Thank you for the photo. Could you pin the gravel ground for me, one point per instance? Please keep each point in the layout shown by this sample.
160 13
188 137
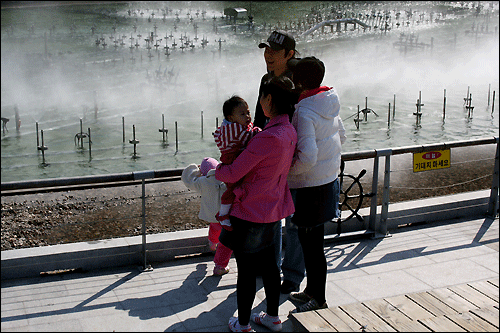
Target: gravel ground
88 215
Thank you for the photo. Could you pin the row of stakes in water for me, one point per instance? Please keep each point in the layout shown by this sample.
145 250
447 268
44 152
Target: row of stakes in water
419 104
79 137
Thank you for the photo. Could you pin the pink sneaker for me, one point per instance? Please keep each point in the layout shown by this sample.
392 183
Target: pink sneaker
218 270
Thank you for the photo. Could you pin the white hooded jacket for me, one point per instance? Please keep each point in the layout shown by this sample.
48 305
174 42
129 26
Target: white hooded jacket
210 188
320 133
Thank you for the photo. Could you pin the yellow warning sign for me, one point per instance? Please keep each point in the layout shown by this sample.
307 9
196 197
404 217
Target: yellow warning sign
431 160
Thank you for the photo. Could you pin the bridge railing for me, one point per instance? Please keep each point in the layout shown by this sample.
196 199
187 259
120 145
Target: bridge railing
376 219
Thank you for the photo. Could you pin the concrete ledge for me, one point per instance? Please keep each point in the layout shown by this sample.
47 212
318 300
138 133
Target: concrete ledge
127 251
116 252
423 210
439 208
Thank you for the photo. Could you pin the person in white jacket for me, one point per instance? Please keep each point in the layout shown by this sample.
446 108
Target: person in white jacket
313 177
202 179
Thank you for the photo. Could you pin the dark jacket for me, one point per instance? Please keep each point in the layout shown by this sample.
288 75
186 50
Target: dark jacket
260 120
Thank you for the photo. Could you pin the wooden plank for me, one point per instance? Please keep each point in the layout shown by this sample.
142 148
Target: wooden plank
494 282
344 317
472 295
489 314
431 303
398 320
411 309
310 321
486 288
367 319
451 299
336 321
471 323
441 324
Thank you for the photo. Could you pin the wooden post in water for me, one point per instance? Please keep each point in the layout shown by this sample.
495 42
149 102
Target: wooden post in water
366 108
163 129
389 116
202 124
123 128
469 108
134 141
419 105
176 139
493 102
37 139
90 146
356 120
81 133
394 108
43 148
444 104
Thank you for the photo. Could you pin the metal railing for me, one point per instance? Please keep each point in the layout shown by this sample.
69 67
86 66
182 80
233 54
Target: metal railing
376 223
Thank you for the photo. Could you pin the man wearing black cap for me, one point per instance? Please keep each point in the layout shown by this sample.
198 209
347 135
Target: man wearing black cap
279 55
279 50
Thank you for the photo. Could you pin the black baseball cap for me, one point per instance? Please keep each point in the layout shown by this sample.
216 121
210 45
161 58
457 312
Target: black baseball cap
279 40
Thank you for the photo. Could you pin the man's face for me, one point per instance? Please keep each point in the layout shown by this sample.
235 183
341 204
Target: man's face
276 60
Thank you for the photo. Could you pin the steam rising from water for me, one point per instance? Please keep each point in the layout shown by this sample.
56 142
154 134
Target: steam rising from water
78 76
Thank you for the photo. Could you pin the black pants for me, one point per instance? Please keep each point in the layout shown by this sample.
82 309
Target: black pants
312 241
249 265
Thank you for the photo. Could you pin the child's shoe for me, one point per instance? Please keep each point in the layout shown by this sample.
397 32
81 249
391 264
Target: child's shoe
219 271
234 326
262 318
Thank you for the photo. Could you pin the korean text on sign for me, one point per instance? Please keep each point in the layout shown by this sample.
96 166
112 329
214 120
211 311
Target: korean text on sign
431 160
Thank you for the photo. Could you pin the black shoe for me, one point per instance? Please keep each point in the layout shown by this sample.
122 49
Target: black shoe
288 286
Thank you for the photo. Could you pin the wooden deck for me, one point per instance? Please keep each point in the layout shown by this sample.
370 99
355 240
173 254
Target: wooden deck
471 307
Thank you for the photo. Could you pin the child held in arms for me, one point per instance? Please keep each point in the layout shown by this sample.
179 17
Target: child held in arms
231 138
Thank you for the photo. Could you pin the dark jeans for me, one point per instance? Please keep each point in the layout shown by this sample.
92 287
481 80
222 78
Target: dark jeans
312 241
255 252
249 265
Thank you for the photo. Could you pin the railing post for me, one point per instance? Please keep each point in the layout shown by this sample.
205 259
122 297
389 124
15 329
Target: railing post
143 175
493 203
376 224
373 207
385 196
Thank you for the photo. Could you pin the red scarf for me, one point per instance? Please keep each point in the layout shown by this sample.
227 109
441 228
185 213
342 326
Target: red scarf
312 92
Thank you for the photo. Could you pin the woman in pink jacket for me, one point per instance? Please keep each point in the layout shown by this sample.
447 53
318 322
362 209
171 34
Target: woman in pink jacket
262 200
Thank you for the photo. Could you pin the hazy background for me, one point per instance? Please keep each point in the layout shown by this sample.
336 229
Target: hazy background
56 74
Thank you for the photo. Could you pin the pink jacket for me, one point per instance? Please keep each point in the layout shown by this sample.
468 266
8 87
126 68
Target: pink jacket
263 195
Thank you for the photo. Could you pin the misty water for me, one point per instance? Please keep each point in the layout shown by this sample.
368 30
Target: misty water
56 72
